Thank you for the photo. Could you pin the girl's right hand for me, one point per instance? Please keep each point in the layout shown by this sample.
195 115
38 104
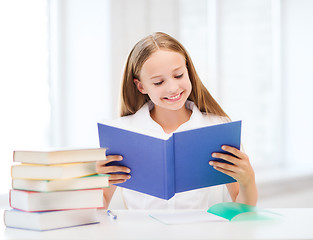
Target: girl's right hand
118 174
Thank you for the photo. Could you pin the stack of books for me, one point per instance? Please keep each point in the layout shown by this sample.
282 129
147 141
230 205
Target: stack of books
55 189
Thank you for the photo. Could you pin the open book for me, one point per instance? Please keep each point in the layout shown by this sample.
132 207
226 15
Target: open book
220 212
163 167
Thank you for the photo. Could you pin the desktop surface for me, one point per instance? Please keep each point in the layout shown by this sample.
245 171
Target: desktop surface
295 223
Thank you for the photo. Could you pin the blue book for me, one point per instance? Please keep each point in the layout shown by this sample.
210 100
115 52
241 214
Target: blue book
163 167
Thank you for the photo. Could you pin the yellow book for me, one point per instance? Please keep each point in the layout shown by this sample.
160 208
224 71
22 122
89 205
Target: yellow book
56 171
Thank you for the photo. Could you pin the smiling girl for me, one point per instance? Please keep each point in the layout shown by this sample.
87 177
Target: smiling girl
162 92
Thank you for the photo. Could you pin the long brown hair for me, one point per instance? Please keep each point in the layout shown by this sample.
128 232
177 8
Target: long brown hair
132 100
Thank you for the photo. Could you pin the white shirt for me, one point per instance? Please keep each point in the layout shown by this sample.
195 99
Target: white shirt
195 199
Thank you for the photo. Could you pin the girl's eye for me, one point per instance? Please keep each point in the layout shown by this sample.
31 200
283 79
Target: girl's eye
179 76
158 83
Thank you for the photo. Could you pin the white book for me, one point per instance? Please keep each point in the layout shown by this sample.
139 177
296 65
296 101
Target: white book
42 221
88 182
47 201
56 171
60 156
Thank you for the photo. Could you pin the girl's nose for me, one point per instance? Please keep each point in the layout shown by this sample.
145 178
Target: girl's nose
172 86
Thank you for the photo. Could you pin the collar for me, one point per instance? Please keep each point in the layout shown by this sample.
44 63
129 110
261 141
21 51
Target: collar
144 119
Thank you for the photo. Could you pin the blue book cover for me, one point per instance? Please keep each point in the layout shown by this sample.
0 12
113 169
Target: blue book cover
163 167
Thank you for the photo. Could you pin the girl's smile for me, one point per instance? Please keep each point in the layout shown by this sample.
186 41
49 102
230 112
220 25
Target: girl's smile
174 98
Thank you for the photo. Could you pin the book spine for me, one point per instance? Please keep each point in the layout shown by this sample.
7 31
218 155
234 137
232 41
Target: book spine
10 197
4 217
169 167
55 209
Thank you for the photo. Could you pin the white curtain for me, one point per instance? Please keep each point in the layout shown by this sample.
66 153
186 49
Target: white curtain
24 90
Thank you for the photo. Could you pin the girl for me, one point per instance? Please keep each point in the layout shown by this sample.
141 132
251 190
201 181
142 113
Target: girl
162 92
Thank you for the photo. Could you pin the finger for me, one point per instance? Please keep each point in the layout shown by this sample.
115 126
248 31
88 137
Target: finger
227 172
114 158
110 158
233 151
119 177
112 169
226 157
117 181
116 169
225 166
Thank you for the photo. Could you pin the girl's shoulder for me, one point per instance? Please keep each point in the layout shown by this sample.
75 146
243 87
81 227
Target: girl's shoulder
214 119
126 120
207 119
142 116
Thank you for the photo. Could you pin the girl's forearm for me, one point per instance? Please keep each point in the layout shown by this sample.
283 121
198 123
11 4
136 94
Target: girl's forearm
248 194
107 195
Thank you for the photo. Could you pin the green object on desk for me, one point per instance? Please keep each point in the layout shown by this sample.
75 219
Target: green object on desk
241 212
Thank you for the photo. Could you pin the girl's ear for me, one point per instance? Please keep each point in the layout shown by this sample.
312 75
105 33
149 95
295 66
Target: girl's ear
139 86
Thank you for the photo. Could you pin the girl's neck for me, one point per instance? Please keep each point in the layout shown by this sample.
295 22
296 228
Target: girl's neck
170 120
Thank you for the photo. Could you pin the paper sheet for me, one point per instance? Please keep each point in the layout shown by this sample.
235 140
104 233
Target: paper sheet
186 216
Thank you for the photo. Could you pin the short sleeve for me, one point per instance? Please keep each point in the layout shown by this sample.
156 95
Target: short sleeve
226 195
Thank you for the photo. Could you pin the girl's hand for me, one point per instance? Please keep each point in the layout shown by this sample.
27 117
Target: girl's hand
118 174
241 170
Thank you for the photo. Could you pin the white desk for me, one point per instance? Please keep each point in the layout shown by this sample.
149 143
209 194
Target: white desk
295 224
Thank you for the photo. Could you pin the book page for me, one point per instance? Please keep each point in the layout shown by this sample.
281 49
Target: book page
120 125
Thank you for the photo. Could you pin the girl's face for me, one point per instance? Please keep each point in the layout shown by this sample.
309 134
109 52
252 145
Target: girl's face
164 77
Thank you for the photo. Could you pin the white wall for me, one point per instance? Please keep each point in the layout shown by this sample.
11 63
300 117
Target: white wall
80 77
297 58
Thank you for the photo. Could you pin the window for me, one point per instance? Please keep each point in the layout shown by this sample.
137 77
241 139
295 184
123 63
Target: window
24 92
232 46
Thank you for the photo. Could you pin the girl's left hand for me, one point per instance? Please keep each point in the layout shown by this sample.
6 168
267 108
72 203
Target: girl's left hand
241 170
